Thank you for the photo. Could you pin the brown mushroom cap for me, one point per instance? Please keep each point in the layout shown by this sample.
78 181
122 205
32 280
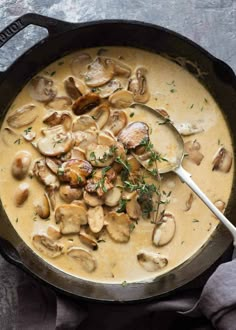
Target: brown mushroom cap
138 86
222 160
79 64
85 259
192 149
47 246
86 103
42 207
151 261
117 121
133 134
59 118
44 175
23 116
20 164
121 99
21 194
164 230
75 171
42 89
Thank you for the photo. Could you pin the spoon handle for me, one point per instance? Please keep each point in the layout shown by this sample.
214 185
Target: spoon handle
186 178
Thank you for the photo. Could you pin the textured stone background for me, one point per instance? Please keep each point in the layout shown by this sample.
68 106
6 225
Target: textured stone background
211 23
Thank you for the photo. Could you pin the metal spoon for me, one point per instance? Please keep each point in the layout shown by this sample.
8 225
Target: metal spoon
175 165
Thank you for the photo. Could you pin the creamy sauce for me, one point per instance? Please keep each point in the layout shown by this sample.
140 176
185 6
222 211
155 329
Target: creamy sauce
186 100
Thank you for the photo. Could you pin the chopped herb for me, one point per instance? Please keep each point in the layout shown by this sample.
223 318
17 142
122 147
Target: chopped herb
94 117
96 90
131 227
17 220
202 109
182 242
18 141
79 179
125 164
172 90
154 172
131 115
101 241
55 142
169 193
122 205
154 156
92 156
206 101
70 239
124 283
172 83
105 169
191 106
87 78
52 73
28 130
60 63
195 220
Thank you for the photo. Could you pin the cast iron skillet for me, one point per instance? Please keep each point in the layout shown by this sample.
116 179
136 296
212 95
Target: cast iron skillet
64 38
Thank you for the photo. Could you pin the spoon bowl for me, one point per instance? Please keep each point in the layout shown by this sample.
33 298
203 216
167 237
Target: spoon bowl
172 160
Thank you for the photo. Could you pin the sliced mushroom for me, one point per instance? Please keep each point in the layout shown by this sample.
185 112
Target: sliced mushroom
222 160
22 116
187 129
60 103
151 261
138 86
220 205
53 232
44 175
134 134
121 99
9 136
164 230
105 139
85 259
70 218
69 194
100 114
29 136
119 68
53 164
192 150
112 197
47 246
79 64
42 89
96 218
77 153
71 89
57 118
84 122
20 164
101 182
118 226
55 141
84 139
88 240
117 121
21 194
189 202
51 193
132 206
92 199
75 171
100 155
42 207
133 164
99 72
108 89
86 103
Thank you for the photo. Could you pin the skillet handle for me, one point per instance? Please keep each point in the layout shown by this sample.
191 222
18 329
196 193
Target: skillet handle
10 253
54 26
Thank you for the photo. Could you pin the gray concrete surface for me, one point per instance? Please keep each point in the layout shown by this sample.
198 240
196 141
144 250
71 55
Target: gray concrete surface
211 23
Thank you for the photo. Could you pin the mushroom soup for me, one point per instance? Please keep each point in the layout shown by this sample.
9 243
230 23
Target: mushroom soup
78 196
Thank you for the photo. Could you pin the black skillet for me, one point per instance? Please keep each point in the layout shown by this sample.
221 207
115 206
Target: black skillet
64 38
